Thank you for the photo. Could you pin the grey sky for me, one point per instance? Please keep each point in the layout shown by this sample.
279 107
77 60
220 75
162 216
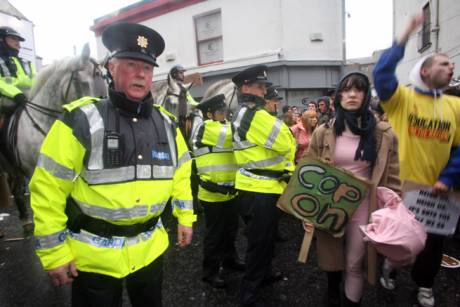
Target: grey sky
61 25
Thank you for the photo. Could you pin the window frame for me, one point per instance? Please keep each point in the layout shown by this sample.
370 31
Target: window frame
198 42
424 35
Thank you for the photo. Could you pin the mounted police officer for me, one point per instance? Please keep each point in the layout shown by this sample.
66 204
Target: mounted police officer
16 73
264 149
181 103
105 173
16 79
216 166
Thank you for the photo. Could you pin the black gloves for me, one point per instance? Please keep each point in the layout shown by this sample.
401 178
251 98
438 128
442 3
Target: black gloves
20 99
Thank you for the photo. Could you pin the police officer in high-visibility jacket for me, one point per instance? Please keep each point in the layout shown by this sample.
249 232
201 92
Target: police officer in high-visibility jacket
105 173
16 74
216 166
264 149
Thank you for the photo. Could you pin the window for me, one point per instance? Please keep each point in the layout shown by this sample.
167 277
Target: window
209 42
424 34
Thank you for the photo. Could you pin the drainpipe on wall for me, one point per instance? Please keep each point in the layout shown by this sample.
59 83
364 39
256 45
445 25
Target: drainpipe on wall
436 28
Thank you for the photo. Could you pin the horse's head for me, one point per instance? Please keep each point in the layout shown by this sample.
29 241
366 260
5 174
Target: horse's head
226 87
85 78
69 79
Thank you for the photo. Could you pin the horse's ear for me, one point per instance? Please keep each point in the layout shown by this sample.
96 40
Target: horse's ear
86 51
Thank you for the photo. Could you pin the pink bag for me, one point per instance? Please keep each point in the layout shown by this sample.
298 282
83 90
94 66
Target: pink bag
393 230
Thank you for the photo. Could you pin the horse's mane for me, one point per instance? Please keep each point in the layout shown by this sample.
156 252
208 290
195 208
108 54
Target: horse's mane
52 71
216 88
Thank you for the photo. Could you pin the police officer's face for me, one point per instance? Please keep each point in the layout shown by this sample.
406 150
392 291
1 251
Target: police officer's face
131 77
272 105
219 115
13 42
257 89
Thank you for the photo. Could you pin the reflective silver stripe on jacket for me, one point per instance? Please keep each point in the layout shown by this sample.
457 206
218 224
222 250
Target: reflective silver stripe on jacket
171 140
263 163
163 172
52 240
113 242
96 129
217 168
183 204
184 158
127 173
222 134
237 123
243 144
54 168
6 71
144 171
119 213
205 150
252 175
273 134
109 175
26 66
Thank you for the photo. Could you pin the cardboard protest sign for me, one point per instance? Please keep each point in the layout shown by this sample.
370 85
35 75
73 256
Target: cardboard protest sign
323 195
439 214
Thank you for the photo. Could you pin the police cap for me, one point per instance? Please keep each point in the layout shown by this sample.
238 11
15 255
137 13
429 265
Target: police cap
134 41
272 94
4 31
212 104
253 74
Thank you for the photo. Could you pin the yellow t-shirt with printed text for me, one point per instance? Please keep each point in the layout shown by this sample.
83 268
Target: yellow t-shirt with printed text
427 127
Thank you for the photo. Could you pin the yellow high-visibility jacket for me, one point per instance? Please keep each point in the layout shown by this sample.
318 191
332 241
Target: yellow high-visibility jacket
155 166
12 84
261 142
213 154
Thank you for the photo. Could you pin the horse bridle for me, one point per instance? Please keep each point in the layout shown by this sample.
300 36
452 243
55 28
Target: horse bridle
52 112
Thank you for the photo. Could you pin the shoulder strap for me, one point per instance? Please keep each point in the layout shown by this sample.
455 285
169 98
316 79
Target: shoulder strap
79 103
164 111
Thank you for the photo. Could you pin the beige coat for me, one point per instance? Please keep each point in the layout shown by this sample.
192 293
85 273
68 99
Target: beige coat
385 173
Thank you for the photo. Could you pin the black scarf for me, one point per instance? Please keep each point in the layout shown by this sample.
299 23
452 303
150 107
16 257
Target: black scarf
244 98
367 148
130 107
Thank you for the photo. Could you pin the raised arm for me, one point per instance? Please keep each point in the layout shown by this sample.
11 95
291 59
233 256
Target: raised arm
384 72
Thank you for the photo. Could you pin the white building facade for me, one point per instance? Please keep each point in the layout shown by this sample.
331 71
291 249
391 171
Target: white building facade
301 41
440 32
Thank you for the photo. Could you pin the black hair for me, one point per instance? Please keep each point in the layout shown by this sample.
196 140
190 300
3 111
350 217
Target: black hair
361 122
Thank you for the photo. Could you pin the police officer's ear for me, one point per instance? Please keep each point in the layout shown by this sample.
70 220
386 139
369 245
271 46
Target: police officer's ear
111 66
210 115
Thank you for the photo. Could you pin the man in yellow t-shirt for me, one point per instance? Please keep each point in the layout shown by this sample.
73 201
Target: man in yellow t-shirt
427 124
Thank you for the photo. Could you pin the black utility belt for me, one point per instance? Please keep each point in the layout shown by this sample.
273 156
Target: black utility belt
77 221
214 187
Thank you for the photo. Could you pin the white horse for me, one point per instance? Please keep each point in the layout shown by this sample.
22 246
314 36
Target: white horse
59 83
171 95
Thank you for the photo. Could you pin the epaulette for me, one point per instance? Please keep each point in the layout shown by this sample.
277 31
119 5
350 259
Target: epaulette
79 103
163 110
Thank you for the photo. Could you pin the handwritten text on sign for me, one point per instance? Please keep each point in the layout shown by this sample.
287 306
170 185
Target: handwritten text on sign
438 214
324 195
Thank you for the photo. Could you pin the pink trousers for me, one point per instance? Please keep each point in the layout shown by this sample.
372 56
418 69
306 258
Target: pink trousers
354 253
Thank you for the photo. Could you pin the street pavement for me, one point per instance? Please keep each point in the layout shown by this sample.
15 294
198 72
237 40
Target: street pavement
24 283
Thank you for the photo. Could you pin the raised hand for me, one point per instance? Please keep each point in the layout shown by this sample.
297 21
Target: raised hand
415 22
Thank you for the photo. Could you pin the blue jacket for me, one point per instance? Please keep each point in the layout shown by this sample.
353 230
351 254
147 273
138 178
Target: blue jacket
385 80
450 176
